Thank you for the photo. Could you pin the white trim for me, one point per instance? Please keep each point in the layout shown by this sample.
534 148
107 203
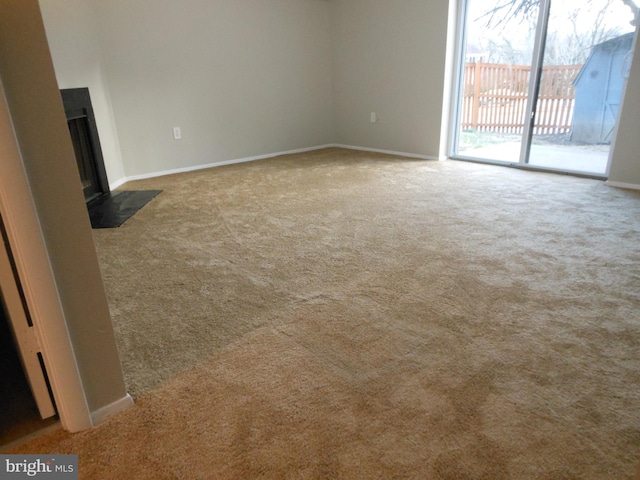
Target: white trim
105 412
144 176
460 36
535 78
38 282
623 99
219 164
449 87
387 152
24 336
631 186
118 183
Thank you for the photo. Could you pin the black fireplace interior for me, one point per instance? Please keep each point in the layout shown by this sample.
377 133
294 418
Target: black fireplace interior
106 209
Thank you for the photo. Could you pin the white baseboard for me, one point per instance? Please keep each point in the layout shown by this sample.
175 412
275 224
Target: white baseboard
118 183
105 412
145 176
220 164
631 186
388 152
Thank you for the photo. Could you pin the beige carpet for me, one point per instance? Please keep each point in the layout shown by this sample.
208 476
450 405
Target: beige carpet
342 314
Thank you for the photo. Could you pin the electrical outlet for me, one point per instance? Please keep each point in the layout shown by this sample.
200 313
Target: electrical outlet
373 118
177 133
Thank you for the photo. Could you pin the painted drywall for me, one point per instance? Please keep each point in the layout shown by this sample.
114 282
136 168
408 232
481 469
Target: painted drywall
73 33
625 158
239 77
247 78
390 58
34 102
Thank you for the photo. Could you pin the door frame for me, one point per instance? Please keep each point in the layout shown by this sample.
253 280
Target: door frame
534 86
36 277
542 26
21 325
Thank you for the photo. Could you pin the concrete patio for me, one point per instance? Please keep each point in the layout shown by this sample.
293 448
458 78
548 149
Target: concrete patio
591 159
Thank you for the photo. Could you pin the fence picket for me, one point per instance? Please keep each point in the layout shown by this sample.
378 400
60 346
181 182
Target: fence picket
495 98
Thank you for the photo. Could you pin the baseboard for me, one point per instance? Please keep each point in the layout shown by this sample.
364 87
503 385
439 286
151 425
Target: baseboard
118 183
388 152
144 176
105 412
222 163
630 186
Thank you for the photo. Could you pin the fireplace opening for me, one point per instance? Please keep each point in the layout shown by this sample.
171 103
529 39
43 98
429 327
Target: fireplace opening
86 143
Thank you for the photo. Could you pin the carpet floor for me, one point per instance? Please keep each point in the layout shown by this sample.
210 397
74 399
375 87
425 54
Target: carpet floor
341 314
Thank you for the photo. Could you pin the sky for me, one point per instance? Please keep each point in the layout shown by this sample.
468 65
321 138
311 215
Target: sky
519 33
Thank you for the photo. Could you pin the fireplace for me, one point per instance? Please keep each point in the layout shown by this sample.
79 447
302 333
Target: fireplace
86 143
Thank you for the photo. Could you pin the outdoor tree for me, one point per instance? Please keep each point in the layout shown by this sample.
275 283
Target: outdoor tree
572 44
529 8
584 25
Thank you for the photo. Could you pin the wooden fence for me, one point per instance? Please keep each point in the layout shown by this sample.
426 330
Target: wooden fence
495 98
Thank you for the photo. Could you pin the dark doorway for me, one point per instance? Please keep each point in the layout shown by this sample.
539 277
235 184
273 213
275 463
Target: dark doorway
18 410
86 143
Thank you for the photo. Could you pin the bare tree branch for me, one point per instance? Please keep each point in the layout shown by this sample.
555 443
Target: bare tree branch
510 9
527 8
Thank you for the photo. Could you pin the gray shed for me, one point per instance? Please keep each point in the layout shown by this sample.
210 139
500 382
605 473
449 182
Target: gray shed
599 88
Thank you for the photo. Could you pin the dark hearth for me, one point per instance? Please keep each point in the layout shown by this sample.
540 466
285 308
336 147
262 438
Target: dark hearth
113 209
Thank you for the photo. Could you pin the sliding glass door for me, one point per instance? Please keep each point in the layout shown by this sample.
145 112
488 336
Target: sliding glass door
540 81
495 75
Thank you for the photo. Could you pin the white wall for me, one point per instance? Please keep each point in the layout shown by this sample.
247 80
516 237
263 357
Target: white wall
73 33
390 58
37 114
244 78
625 159
240 78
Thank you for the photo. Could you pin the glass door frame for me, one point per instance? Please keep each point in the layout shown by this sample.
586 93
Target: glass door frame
542 26
533 90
